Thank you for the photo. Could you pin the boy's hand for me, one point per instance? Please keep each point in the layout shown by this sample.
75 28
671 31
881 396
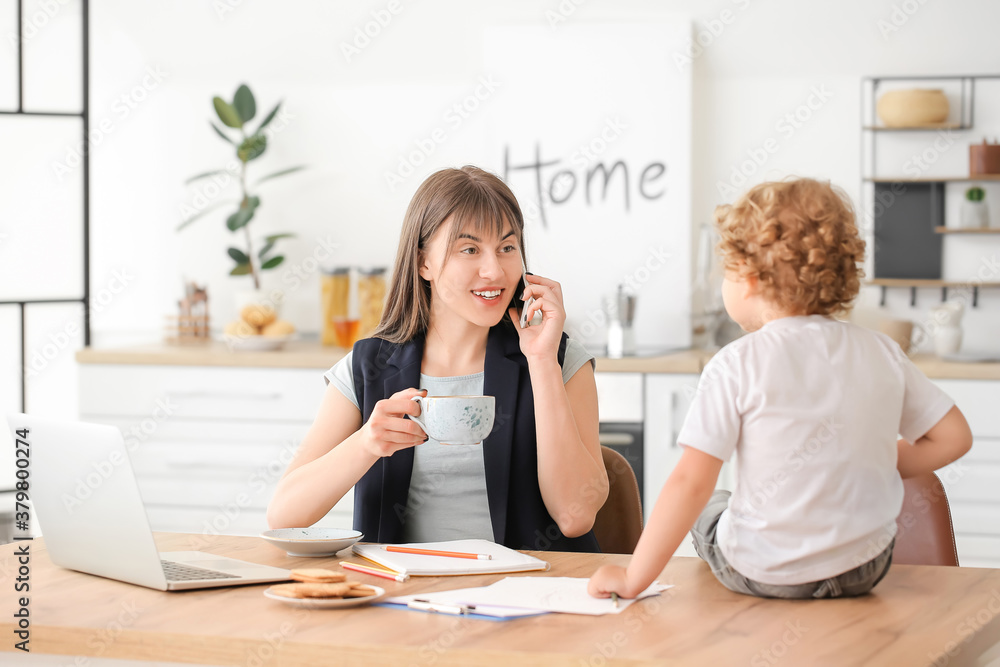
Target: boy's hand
607 580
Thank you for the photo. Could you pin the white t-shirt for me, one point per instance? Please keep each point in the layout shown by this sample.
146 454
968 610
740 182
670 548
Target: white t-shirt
812 407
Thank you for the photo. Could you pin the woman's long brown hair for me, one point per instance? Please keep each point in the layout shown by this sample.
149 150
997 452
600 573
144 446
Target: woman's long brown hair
474 199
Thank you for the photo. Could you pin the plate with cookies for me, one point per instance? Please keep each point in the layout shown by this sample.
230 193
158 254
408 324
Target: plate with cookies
319 588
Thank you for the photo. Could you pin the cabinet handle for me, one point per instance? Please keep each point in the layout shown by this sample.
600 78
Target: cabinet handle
228 394
616 439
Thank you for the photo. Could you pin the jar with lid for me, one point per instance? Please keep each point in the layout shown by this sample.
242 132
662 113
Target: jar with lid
339 307
371 299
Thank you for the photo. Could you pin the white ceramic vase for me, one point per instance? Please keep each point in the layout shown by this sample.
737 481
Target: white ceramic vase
947 340
975 215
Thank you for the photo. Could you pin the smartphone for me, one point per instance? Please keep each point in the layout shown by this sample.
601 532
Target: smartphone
524 305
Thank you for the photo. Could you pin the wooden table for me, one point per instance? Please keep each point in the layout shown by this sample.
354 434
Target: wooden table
915 617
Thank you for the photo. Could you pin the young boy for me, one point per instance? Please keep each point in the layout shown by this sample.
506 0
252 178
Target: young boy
811 405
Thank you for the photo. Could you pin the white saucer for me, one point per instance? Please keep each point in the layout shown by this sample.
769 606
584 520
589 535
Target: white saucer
313 542
327 603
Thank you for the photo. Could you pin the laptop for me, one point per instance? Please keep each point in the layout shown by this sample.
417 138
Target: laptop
87 503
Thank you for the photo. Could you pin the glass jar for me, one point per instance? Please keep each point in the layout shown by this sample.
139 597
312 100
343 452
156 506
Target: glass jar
339 307
371 299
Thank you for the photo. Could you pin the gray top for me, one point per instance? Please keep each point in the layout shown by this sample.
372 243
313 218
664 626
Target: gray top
447 499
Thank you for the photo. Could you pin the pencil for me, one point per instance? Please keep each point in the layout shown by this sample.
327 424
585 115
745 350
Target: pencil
614 599
432 552
375 572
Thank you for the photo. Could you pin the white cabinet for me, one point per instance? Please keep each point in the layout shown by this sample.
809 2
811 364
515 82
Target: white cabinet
973 482
208 444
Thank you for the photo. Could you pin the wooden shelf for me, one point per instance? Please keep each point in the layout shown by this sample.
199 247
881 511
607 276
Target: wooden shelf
969 230
922 282
943 179
918 128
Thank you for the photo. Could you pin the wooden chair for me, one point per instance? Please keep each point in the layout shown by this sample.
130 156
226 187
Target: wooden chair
619 522
925 535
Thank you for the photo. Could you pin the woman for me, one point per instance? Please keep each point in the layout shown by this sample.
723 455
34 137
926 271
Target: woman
449 328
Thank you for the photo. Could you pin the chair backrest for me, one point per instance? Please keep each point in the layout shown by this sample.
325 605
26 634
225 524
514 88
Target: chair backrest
619 522
924 532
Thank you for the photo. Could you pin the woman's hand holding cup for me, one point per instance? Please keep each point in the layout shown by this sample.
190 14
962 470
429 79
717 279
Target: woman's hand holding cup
387 430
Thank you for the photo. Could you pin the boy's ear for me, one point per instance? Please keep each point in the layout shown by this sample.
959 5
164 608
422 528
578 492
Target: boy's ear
751 285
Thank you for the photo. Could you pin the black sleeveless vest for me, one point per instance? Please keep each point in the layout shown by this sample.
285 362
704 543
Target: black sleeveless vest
519 517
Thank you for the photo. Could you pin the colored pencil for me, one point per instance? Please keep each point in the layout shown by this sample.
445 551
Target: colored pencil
432 552
375 572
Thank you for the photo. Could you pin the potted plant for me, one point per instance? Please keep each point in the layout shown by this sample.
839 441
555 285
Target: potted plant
249 146
975 214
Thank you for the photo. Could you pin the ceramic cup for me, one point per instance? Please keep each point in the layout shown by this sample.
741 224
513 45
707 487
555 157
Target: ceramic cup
900 331
456 420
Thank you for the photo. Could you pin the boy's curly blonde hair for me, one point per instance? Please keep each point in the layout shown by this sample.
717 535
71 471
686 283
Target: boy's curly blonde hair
799 238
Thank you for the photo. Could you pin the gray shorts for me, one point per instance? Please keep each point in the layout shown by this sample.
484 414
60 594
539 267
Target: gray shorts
849 584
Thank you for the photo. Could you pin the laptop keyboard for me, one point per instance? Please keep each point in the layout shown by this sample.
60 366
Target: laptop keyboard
180 572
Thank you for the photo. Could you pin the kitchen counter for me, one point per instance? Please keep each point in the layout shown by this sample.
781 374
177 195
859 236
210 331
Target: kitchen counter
311 354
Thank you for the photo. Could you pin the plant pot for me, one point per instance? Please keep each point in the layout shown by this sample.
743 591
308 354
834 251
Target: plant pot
975 215
913 107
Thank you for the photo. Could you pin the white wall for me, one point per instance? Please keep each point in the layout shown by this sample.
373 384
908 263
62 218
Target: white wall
765 60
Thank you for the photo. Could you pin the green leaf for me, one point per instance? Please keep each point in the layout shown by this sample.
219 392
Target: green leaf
267 247
273 262
239 256
251 202
239 219
252 147
244 103
222 134
227 114
205 175
277 174
275 237
268 118
240 270
201 213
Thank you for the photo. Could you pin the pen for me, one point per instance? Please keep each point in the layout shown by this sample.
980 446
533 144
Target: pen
375 572
614 599
427 605
432 552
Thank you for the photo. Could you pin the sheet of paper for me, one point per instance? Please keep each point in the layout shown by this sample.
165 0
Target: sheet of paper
567 595
456 596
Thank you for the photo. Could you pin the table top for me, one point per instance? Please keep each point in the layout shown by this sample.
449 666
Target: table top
915 617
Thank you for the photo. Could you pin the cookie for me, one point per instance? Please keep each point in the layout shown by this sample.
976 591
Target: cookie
360 591
312 590
318 575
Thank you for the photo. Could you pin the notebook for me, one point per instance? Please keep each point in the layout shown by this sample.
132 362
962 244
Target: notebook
504 559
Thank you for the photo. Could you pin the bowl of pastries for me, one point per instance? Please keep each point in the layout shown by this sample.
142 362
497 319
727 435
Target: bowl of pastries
258 328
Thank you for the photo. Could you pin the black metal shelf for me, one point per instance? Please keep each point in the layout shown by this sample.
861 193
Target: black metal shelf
84 116
868 154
